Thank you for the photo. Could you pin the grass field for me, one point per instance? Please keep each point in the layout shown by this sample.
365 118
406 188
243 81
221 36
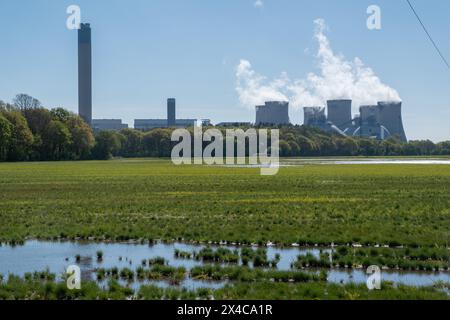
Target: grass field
152 199
37 289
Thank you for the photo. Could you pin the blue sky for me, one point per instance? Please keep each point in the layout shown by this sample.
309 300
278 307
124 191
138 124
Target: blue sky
145 51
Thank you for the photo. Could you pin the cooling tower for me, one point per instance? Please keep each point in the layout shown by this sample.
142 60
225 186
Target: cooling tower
369 121
85 73
340 113
314 116
273 113
390 116
357 120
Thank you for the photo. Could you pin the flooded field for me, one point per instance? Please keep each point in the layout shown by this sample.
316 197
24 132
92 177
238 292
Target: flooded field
57 256
295 162
365 161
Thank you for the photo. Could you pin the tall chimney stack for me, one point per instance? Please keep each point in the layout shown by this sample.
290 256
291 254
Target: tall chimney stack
171 112
85 73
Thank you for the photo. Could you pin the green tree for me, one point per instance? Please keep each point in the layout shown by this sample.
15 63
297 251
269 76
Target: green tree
107 144
422 147
390 147
21 137
295 148
157 143
327 146
6 130
346 146
132 146
285 149
38 120
307 146
368 147
443 148
61 114
58 141
82 137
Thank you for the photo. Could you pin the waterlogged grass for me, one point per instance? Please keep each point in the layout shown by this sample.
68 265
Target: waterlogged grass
16 288
208 272
323 291
411 259
258 257
153 199
220 255
244 274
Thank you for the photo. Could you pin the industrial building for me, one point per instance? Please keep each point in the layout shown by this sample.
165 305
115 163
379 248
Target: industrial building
170 122
368 122
315 117
85 73
340 113
85 95
149 124
108 124
273 113
379 121
390 116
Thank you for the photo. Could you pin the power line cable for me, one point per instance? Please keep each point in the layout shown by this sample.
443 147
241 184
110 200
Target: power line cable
428 34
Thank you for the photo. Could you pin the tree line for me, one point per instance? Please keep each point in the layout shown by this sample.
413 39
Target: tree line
308 141
30 132
295 141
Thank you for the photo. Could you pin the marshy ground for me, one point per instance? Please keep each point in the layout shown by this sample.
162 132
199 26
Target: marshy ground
404 206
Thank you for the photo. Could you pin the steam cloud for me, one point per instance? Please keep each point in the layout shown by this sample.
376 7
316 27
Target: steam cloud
338 79
258 4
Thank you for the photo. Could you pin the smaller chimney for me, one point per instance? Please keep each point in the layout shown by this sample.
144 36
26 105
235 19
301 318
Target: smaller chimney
171 112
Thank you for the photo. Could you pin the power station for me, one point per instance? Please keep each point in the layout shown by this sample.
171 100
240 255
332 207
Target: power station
314 117
379 121
340 113
390 117
170 122
85 95
273 112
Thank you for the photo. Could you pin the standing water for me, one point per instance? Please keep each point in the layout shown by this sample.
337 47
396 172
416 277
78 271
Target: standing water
57 256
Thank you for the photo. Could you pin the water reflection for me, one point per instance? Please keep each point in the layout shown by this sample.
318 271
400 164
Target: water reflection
57 256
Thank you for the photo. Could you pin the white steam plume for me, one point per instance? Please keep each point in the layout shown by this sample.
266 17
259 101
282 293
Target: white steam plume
253 89
338 79
258 4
